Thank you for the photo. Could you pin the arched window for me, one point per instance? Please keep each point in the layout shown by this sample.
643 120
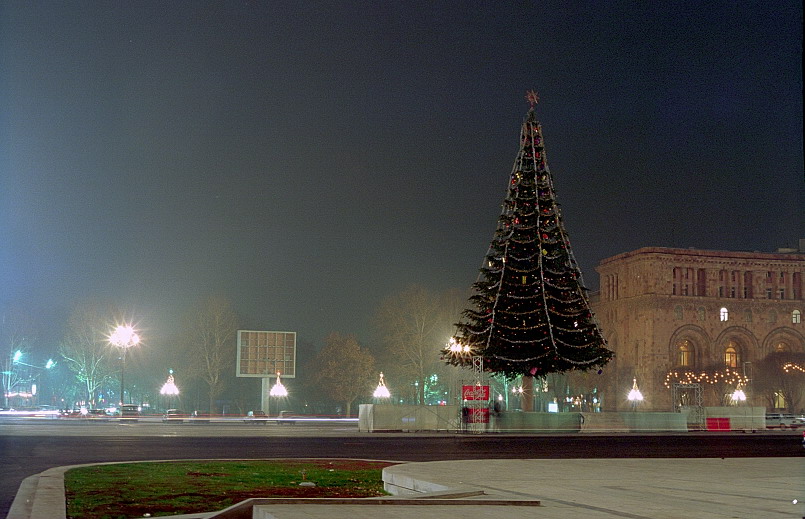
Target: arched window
796 317
700 313
731 356
684 355
772 316
678 313
725 314
748 315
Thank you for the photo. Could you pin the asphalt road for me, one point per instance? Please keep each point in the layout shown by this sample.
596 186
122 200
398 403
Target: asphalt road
27 449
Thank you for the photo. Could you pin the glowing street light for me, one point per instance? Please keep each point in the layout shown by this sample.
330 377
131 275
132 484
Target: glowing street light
456 348
635 396
382 391
124 337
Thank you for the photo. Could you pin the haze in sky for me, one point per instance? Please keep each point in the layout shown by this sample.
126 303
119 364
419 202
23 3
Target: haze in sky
308 159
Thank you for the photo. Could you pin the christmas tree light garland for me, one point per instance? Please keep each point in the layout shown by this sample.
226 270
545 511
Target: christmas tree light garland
531 314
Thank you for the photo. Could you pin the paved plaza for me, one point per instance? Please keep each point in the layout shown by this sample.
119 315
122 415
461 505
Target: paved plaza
657 488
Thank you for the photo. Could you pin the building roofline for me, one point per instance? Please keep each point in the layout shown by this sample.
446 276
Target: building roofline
704 253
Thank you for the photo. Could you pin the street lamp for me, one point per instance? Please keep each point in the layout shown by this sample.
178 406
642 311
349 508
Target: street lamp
456 347
124 337
277 390
382 391
635 396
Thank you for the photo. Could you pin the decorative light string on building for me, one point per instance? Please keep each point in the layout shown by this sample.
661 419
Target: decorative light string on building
727 376
789 367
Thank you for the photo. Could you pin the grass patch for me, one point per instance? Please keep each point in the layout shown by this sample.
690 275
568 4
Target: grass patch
127 490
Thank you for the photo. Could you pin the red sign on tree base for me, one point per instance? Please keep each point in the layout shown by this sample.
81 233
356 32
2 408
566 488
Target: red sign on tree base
476 392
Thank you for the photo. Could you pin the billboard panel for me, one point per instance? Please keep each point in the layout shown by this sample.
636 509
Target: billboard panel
263 354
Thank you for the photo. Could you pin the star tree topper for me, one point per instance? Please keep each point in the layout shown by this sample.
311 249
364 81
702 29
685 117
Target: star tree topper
532 98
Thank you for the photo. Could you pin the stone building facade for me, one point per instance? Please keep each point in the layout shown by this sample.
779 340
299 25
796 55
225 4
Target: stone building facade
666 310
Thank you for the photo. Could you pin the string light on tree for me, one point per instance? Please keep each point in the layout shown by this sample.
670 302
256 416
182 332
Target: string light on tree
530 314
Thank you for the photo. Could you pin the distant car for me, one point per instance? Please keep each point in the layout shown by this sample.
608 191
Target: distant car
200 416
174 416
287 417
96 414
783 421
256 416
47 412
130 412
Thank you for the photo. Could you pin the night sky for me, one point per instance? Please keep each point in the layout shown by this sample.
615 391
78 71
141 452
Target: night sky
308 159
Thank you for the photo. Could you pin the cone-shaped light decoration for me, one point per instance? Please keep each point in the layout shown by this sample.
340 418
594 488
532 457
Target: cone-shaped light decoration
169 388
382 391
635 395
278 389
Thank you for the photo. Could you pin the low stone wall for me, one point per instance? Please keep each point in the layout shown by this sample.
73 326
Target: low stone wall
408 418
735 418
412 418
516 421
656 422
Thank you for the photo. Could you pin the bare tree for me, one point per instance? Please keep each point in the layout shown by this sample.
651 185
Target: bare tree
781 374
414 326
86 350
344 370
16 338
210 342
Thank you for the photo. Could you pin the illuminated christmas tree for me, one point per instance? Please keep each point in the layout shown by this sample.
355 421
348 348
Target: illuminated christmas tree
530 312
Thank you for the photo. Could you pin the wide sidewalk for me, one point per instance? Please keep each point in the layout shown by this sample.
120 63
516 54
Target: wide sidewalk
656 488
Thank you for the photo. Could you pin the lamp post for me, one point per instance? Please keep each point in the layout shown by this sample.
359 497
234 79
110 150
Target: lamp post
277 390
518 390
472 404
124 337
635 396
50 364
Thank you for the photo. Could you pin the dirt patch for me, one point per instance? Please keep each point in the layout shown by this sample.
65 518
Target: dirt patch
198 503
338 464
